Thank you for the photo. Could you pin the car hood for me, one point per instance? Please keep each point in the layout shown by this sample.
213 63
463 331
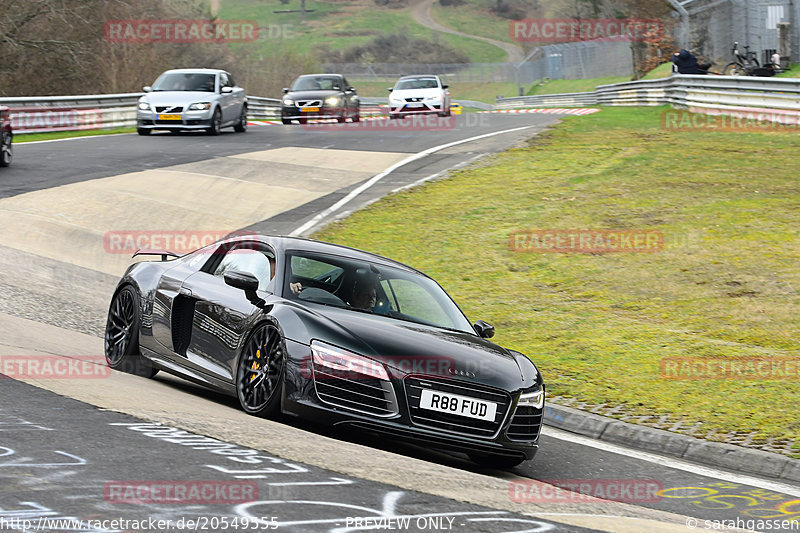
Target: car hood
183 98
419 349
417 93
312 95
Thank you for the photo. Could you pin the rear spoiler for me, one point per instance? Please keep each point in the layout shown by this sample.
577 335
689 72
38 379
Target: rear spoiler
163 253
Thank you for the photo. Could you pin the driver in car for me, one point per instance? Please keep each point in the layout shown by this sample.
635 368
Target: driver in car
365 296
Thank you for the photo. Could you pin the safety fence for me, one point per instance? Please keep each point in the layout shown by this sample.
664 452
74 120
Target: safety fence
772 98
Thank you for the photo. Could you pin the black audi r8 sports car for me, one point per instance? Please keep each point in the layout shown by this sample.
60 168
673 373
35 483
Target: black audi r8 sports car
330 334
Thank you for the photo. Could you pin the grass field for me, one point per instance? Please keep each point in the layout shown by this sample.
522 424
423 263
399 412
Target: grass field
474 18
340 26
28 137
598 325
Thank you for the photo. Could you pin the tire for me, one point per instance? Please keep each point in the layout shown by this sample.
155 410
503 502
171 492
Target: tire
341 119
216 123
286 121
393 116
143 131
260 372
121 339
241 126
7 149
302 120
733 69
356 117
501 462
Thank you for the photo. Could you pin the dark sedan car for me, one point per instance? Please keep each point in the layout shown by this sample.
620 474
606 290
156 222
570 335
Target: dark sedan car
6 137
329 334
320 96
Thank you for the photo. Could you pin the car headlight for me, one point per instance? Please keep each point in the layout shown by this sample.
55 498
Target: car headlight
532 399
398 99
199 106
333 101
144 106
288 101
433 98
341 362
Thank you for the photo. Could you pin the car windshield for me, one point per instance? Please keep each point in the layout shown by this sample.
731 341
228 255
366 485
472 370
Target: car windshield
185 81
370 288
417 83
317 83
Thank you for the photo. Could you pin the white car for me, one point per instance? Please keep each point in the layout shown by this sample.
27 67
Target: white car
419 94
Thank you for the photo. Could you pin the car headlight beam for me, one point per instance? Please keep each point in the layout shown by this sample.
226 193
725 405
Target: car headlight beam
332 101
343 362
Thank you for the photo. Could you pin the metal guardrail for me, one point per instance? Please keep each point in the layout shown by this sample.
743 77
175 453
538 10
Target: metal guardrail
259 108
771 98
38 114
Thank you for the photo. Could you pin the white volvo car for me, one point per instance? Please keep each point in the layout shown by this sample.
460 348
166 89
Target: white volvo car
419 94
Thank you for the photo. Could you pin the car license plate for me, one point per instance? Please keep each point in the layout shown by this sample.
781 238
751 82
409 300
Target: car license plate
414 104
309 109
169 117
457 405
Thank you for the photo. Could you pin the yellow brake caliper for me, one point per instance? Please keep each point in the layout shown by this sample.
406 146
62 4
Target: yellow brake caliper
256 364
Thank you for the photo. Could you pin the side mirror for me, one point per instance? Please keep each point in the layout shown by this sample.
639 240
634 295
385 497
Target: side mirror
147 88
391 89
351 88
445 86
226 90
241 280
483 329
285 90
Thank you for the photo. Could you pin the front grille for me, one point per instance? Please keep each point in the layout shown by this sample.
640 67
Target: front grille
170 122
455 423
309 103
525 424
413 99
355 391
168 109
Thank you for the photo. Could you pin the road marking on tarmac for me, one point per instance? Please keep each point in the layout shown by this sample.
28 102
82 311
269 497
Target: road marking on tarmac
677 464
375 179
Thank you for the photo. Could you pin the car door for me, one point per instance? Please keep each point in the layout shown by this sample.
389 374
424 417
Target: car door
239 97
227 100
221 314
350 97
